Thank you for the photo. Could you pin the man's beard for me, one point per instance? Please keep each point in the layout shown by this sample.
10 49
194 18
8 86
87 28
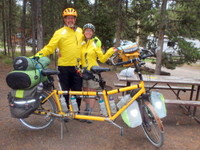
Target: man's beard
71 25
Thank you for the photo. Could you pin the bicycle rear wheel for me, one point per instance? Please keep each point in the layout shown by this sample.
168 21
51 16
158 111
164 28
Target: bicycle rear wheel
39 119
152 125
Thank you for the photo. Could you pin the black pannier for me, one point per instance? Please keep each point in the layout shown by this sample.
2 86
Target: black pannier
23 102
19 79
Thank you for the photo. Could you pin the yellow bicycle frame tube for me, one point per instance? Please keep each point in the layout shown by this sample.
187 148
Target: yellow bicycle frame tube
105 94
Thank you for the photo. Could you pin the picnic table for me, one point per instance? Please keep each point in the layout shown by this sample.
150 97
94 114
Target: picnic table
170 83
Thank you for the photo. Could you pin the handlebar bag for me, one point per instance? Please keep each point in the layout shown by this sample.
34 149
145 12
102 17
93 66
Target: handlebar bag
19 79
23 102
129 48
127 56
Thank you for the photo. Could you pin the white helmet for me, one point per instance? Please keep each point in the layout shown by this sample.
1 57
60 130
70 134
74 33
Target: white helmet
90 26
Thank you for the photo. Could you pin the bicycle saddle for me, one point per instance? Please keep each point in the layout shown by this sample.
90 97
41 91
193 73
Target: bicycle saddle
97 69
48 72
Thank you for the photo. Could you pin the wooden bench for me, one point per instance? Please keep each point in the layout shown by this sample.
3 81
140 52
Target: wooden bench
178 102
182 102
173 88
158 87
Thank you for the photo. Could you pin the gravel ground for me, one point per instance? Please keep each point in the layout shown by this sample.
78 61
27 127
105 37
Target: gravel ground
181 131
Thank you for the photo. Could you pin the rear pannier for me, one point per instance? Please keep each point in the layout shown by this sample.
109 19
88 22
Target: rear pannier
27 72
26 63
18 79
26 83
23 102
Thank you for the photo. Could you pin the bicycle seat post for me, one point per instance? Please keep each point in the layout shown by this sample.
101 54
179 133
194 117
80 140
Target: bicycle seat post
101 81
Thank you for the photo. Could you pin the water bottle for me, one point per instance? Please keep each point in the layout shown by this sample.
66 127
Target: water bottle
102 107
112 104
74 103
40 87
123 101
63 103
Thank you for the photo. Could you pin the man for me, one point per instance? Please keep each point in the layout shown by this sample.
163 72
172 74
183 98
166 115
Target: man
68 40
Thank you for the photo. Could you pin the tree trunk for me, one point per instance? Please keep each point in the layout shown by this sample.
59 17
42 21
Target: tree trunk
4 27
39 25
33 18
119 24
138 32
23 28
10 37
161 37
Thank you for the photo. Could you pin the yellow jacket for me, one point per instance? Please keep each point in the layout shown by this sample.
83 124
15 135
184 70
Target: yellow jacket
90 53
68 42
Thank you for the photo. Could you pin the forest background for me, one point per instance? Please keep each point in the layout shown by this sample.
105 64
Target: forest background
33 22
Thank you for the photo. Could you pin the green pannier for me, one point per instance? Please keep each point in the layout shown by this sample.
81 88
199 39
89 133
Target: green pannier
24 79
26 63
27 72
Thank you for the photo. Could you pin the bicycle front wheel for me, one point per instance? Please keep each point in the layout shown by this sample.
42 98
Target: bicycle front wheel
152 125
40 118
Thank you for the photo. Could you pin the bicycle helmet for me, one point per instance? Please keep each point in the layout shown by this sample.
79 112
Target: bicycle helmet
90 26
70 12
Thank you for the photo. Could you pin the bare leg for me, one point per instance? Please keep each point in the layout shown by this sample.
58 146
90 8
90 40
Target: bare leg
90 103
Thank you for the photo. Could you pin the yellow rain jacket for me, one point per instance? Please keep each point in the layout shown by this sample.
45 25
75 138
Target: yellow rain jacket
68 42
90 53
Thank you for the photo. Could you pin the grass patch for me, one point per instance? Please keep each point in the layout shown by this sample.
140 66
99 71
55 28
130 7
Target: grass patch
7 60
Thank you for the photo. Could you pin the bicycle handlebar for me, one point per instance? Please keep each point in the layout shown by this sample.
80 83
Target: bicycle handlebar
144 56
127 62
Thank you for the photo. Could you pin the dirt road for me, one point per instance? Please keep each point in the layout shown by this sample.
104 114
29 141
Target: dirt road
185 70
181 131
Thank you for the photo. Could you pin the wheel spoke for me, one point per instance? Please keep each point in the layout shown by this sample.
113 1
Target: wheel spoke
40 118
152 125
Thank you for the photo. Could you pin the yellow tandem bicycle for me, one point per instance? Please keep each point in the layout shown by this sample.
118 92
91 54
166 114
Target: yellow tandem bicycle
51 108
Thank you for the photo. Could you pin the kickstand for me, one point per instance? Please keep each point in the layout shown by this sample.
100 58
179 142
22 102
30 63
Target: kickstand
62 125
121 128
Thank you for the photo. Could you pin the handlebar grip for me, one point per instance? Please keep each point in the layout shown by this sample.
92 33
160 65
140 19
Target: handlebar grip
124 63
146 56
36 58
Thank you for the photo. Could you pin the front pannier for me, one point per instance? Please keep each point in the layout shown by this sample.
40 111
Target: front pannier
23 102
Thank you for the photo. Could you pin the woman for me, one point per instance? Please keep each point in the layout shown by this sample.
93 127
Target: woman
91 52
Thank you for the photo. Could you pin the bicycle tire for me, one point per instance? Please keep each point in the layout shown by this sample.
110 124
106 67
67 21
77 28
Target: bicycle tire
152 125
39 119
